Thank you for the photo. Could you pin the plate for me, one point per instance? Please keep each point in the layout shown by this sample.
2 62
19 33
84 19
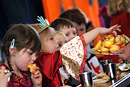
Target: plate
92 51
124 66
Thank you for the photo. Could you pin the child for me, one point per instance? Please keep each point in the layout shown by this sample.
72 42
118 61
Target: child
79 19
61 38
50 61
65 26
21 44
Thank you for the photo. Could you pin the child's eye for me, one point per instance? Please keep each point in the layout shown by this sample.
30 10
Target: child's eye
81 29
51 38
30 53
74 33
60 45
67 34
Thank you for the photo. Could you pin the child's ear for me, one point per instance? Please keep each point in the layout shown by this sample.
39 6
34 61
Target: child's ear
12 50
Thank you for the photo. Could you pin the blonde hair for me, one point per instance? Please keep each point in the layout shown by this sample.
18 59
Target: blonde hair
127 5
118 6
44 34
115 6
58 33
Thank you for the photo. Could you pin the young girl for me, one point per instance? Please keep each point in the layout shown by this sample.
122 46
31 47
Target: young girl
21 44
50 61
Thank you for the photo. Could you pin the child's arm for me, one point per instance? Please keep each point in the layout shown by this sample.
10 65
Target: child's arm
91 35
4 77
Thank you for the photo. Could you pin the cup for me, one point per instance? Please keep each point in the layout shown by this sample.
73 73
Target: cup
104 64
111 70
105 61
86 79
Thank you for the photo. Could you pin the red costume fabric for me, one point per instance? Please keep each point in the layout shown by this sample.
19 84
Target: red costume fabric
122 19
49 64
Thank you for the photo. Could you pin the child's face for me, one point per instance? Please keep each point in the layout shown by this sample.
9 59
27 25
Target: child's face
61 40
81 29
69 32
22 58
49 44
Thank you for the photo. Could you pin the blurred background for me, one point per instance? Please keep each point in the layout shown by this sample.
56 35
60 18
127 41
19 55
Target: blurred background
26 11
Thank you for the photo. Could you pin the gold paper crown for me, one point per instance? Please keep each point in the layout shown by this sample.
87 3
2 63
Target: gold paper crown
43 23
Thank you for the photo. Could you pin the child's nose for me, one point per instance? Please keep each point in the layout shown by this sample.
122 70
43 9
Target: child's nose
72 36
56 41
34 57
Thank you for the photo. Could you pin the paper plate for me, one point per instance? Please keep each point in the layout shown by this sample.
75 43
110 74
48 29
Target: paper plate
124 66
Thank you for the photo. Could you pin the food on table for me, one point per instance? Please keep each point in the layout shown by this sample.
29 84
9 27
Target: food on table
101 78
112 43
32 68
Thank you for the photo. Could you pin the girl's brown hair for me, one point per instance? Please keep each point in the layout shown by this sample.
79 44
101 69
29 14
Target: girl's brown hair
25 37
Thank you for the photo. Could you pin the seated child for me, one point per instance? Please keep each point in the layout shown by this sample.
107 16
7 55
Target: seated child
50 61
21 44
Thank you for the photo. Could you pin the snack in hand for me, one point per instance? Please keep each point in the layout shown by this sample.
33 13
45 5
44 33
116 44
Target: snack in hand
32 68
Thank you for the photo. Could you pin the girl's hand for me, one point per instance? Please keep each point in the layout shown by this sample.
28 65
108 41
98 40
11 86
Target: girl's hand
37 78
4 77
112 29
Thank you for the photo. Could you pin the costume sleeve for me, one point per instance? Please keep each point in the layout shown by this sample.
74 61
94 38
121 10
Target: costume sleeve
49 63
74 54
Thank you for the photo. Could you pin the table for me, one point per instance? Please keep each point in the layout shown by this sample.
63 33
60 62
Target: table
123 80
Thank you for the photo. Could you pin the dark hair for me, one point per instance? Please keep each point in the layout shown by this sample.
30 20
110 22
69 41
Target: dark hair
75 15
60 23
25 37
